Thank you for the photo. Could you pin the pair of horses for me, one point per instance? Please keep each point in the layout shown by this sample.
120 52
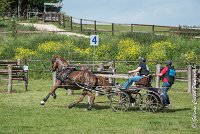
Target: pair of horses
67 76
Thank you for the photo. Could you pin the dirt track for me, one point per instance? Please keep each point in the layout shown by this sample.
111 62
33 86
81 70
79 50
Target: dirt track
52 28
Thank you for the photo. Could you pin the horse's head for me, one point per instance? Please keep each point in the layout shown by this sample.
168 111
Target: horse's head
58 63
54 65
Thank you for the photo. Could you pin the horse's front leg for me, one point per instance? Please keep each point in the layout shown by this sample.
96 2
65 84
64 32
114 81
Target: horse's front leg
52 91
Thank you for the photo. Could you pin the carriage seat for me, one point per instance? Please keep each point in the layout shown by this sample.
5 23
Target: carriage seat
144 82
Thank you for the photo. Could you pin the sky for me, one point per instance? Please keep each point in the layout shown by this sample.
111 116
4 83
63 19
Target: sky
152 12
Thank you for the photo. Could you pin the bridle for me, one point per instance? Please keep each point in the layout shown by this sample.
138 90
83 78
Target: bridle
58 65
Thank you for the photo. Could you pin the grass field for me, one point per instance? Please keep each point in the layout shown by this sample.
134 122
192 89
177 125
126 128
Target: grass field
21 113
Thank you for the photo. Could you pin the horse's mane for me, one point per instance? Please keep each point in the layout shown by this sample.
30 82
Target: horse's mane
59 57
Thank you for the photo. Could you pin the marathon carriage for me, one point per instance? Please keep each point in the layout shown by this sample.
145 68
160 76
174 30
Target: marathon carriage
142 95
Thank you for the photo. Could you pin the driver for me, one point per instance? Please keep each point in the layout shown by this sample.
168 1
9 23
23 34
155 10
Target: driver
143 70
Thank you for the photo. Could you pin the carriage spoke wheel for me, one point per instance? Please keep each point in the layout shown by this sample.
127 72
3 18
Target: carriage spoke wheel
149 103
119 101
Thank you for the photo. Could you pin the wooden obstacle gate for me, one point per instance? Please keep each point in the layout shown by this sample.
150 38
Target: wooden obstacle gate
13 70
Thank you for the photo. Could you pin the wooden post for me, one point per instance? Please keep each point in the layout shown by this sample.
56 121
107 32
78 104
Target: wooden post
18 62
95 27
9 78
131 27
26 80
157 77
153 29
112 70
189 71
112 29
25 74
81 25
71 22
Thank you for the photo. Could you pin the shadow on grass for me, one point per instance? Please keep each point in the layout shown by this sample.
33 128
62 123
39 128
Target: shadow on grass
96 106
5 91
175 110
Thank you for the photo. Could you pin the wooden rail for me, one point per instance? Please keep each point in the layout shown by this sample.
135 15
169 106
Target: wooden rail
94 27
14 71
102 70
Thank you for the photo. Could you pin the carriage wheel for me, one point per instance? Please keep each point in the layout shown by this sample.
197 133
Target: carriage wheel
137 98
149 103
119 101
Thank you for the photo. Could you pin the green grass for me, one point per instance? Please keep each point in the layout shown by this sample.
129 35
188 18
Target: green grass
21 112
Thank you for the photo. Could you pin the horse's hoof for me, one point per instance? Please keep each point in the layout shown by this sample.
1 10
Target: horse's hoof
89 108
54 96
71 105
42 103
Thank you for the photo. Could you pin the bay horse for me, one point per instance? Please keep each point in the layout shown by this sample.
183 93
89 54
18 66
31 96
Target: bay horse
75 79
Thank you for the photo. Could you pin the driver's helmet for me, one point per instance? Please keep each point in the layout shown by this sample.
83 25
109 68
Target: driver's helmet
168 62
143 59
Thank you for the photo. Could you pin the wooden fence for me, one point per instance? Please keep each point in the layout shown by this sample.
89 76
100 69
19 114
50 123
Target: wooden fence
13 70
95 27
86 26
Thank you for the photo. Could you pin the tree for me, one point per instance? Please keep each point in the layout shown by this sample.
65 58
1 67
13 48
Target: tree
4 4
